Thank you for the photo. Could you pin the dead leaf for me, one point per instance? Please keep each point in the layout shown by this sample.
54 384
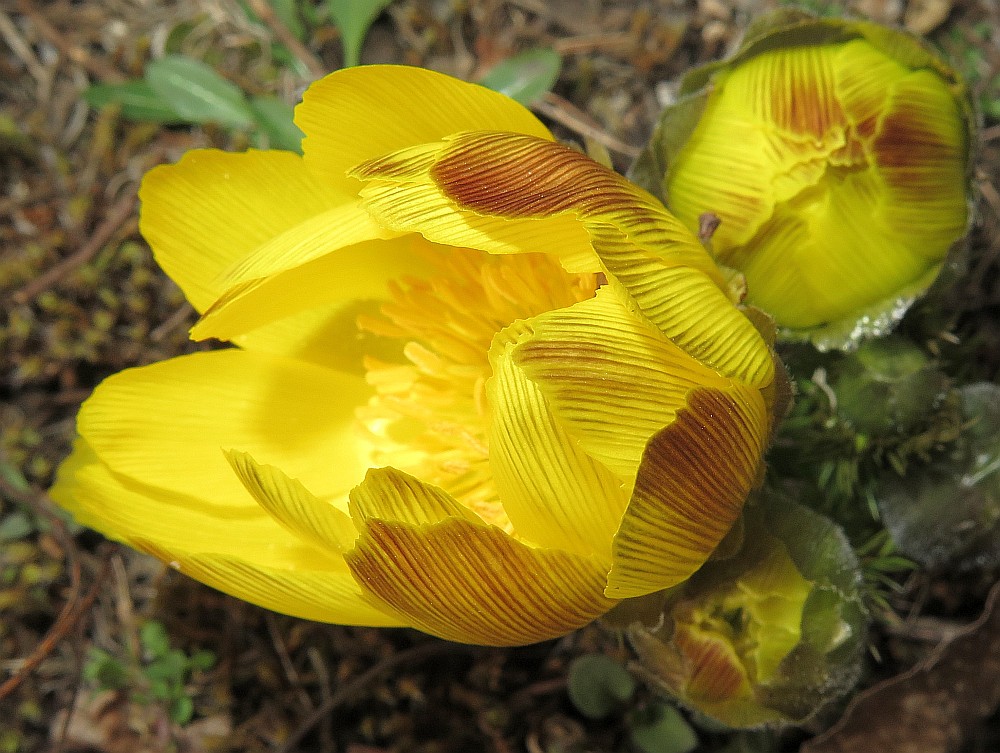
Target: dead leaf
931 708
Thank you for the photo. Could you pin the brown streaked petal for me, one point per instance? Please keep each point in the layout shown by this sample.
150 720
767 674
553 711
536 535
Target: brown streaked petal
400 193
920 149
543 178
692 482
475 584
390 494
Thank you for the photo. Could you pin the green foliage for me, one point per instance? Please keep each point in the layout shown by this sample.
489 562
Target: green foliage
598 685
197 93
158 676
177 89
660 728
353 18
879 564
137 99
525 77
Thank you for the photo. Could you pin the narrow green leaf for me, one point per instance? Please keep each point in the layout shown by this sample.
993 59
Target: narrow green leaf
665 731
137 99
353 18
526 76
198 93
597 685
274 120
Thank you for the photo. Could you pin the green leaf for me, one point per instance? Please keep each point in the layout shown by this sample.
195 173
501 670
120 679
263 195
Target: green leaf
597 685
202 660
154 639
526 76
274 120
198 93
353 18
171 667
137 99
663 730
105 671
181 710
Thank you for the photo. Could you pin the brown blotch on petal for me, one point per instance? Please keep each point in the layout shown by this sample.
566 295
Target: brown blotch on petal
801 94
474 584
715 672
906 141
692 482
513 175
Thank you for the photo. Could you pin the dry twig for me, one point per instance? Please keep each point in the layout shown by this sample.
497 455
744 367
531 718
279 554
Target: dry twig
285 36
75 53
567 114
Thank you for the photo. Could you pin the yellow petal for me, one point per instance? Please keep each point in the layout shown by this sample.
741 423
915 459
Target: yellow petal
315 237
324 335
389 494
212 209
475 584
126 509
326 527
359 113
920 149
811 266
167 424
238 549
611 380
691 486
323 595
554 494
328 289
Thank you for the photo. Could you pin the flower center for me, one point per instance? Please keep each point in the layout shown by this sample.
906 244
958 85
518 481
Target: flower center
429 416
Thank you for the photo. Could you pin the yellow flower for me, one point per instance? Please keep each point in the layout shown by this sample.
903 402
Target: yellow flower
835 154
769 635
483 386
